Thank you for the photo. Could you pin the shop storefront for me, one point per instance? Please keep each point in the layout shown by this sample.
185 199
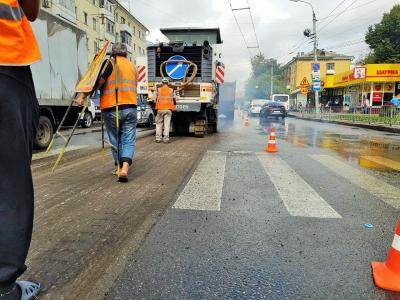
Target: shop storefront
372 85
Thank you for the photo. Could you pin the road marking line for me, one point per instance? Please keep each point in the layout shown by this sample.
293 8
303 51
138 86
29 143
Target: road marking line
300 199
391 164
204 189
379 188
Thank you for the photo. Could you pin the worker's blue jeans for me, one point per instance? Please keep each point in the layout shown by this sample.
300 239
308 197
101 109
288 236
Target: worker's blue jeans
127 131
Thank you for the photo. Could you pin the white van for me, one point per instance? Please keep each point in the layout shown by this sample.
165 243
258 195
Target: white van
284 98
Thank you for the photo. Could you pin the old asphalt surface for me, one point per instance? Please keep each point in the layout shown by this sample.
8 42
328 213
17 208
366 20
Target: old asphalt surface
218 218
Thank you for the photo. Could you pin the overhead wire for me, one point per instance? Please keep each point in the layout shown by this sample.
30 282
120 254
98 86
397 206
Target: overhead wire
254 27
330 22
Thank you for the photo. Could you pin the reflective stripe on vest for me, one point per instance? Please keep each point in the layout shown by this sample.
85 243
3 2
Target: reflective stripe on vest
18 45
8 12
165 99
126 85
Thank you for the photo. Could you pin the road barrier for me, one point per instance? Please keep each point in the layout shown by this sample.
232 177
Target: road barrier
387 274
387 115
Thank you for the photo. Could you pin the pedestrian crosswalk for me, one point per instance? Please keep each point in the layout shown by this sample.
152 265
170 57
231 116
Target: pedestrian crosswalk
204 190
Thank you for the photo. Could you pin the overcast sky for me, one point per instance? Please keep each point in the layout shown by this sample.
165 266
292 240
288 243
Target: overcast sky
279 26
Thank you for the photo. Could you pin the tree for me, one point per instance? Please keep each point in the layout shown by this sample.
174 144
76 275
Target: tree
258 86
384 38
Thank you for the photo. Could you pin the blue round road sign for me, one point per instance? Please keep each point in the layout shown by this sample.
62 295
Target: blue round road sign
176 70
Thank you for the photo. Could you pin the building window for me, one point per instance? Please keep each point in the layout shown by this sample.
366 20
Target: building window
122 20
139 33
129 24
110 27
134 31
85 17
117 37
116 16
95 47
68 4
126 38
134 47
330 66
94 2
140 50
76 10
94 24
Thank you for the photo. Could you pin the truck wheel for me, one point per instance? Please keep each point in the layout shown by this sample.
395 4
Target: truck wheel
150 121
87 120
44 133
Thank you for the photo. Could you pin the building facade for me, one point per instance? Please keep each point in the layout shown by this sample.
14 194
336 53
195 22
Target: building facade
300 67
102 20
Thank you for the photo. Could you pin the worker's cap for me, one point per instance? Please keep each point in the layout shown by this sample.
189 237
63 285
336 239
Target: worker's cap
165 80
119 49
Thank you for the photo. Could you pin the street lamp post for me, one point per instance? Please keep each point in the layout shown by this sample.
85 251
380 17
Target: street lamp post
315 44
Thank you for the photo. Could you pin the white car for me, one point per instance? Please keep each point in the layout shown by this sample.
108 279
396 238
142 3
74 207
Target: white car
89 116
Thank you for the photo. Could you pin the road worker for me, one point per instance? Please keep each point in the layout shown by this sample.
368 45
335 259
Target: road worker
127 106
19 117
165 105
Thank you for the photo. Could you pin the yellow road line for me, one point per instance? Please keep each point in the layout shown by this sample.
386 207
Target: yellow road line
391 164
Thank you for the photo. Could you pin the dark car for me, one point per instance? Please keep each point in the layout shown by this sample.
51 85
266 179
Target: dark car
273 110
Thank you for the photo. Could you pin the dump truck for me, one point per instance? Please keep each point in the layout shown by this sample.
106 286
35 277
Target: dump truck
64 61
189 60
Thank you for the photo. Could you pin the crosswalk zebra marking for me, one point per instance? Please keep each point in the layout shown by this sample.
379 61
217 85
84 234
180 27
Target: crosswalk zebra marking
299 198
204 189
380 189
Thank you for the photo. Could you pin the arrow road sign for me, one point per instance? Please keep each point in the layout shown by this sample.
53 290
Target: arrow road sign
176 70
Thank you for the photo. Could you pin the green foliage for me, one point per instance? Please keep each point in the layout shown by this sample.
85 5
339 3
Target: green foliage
384 38
258 86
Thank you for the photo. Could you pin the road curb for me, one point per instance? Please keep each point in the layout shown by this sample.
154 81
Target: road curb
46 162
360 125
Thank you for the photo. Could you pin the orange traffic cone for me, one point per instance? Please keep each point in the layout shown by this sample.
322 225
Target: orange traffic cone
246 121
271 147
387 274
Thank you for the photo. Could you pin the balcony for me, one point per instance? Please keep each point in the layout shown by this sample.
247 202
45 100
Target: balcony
109 15
330 72
126 28
129 48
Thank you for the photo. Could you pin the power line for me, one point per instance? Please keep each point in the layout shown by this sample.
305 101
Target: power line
254 27
240 29
332 11
326 25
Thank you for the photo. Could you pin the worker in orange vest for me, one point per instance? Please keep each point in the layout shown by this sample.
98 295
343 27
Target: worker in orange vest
165 105
19 117
119 73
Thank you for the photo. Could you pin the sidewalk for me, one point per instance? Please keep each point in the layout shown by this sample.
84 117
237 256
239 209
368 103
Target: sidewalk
323 119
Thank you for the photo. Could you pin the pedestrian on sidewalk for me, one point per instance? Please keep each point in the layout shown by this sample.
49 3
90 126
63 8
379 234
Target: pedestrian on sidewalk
19 117
395 101
165 105
126 82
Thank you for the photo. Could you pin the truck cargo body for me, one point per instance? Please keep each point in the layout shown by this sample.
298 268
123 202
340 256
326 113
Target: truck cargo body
64 61
226 111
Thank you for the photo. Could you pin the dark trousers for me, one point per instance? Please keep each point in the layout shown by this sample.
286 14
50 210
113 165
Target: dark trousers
19 115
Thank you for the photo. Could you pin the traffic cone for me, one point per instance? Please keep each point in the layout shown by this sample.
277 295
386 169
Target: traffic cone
271 147
387 274
246 121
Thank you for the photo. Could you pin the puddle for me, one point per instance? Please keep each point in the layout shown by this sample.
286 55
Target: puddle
381 154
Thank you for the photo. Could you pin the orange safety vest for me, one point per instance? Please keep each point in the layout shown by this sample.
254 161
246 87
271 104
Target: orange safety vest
18 45
165 99
126 85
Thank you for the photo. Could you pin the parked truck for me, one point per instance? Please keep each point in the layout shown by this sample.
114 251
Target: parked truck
64 61
197 102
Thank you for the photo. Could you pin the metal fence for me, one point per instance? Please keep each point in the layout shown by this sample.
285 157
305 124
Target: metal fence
388 115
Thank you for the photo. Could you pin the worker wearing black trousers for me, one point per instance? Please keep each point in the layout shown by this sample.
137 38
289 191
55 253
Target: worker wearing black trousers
19 116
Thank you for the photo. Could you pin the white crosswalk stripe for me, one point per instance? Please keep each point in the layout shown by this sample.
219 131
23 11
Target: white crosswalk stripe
298 196
204 189
373 185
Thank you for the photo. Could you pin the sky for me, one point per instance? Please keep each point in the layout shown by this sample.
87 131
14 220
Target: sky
279 26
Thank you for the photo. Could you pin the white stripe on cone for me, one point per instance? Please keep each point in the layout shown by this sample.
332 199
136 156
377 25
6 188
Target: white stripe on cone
396 242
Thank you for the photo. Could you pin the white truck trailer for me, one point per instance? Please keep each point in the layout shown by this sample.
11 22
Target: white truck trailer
64 61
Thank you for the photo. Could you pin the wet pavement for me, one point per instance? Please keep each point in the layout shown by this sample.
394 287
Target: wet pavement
245 224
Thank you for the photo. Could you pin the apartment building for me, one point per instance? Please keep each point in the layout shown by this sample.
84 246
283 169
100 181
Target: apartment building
300 67
102 20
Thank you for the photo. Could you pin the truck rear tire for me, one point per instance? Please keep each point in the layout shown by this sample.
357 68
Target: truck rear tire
44 133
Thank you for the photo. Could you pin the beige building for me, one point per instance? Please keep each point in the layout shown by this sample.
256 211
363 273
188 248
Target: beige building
102 20
300 67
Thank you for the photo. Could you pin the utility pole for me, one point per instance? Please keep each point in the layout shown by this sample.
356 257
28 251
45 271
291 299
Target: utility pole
272 78
314 36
